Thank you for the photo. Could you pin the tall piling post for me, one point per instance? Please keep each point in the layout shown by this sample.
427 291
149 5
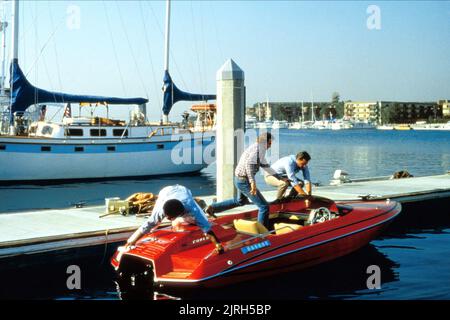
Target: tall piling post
230 126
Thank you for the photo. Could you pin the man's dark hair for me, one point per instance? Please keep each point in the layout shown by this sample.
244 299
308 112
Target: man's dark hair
303 155
265 137
173 208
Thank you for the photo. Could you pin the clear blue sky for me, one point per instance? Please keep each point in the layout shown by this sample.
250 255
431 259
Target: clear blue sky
289 50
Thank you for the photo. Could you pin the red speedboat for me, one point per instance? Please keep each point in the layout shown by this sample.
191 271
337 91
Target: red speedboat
303 233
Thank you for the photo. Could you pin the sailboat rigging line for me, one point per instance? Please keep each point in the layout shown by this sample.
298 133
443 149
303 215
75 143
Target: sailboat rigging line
45 45
196 50
170 50
149 53
131 50
114 48
57 112
54 48
36 43
219 47
203 51
43 59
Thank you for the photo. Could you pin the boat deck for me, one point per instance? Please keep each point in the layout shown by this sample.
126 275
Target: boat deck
31 232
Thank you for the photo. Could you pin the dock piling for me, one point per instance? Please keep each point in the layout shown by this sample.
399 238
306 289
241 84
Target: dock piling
230 126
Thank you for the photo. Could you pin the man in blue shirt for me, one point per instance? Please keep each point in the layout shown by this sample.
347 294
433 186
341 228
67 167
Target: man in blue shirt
286 169
177 205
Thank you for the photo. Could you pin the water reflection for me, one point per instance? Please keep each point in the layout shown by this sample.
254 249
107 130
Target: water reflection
422 217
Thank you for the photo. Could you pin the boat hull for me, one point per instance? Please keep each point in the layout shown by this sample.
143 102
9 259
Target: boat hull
297 260
25 161
248 257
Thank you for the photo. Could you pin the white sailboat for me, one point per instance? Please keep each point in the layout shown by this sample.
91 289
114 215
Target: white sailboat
432 126
93 147
280 124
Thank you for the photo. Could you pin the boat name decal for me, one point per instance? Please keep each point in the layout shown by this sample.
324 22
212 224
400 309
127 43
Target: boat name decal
199 240
255 246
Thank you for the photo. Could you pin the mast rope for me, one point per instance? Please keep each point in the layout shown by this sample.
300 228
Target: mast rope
131 49
170 50
58 70
196 48
44 46
149 52
114 48
34 17
203 51
219 47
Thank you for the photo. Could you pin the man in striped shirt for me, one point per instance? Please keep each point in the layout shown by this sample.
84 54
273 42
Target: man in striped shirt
251 160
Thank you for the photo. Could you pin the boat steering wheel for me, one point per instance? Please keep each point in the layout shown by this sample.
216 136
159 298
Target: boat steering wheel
319 215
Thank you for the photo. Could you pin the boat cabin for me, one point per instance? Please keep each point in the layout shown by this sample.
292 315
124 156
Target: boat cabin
95 128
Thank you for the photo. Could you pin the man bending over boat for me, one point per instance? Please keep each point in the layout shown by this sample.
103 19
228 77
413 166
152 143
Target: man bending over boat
251 160
176 204
286 169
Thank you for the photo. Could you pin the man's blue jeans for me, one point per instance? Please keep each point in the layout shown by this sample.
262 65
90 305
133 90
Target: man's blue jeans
243 186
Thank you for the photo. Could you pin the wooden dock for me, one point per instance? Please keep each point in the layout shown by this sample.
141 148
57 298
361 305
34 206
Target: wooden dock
52 231
403 190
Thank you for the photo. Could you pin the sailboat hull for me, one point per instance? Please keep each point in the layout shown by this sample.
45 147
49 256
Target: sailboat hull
47 159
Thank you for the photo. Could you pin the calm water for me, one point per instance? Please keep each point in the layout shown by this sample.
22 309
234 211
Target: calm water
412 254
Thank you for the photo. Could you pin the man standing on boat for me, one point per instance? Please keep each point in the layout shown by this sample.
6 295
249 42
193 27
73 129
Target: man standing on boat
286 169
176 204
251 160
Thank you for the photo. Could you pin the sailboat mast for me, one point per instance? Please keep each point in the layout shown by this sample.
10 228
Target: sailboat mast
165 118
3 25
14 55
15 31
303 114
167 37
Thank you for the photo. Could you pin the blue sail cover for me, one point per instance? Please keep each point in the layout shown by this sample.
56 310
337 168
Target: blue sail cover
24 94
172 94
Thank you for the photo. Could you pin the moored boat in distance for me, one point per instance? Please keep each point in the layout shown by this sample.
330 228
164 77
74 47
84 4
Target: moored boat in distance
302 234
341 124
363 125
280 124
250 122
431 126
264 125
402 127
385 127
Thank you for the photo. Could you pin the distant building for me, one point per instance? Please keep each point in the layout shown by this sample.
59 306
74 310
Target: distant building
393 111
362 111
378 112
445 105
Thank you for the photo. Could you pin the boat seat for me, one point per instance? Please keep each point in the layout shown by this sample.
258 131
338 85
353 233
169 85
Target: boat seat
282 228
248 226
